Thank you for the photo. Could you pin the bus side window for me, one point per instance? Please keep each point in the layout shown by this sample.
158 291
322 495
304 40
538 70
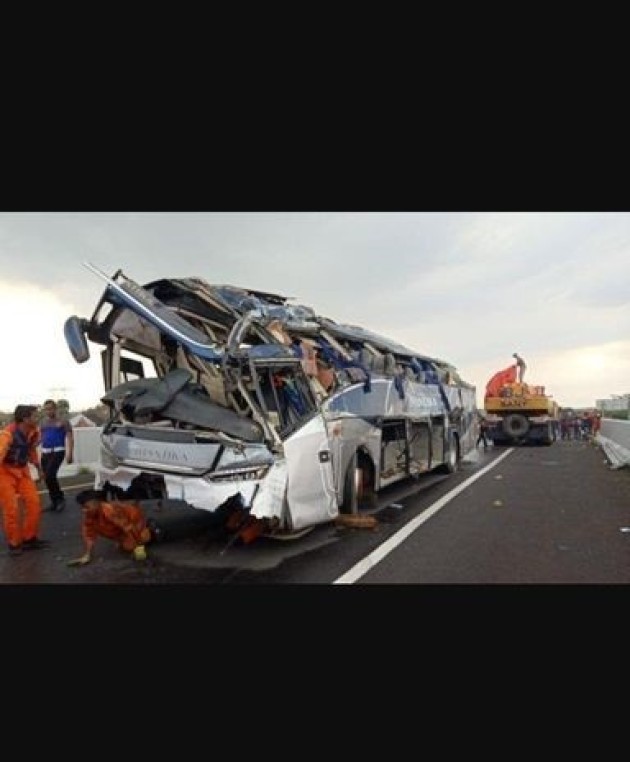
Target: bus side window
131 369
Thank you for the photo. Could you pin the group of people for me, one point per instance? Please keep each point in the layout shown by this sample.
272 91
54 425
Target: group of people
21 443
582 426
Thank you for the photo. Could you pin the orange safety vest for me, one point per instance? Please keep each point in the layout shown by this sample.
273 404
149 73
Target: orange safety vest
17 448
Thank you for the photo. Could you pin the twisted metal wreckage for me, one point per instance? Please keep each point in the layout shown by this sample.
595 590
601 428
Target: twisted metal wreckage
233 402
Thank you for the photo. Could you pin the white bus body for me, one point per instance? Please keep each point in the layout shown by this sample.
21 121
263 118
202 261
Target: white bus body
218 393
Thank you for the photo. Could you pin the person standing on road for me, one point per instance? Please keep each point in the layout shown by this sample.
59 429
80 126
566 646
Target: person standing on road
57 444
18 450
123 522
520 364
483 428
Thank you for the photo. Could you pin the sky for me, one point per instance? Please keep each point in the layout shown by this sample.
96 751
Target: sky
471 288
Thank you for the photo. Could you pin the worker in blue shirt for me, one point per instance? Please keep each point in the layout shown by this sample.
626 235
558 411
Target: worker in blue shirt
57 444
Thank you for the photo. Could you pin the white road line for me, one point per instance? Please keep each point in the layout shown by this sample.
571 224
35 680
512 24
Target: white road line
358 570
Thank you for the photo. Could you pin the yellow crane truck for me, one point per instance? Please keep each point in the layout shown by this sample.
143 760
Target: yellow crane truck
519 413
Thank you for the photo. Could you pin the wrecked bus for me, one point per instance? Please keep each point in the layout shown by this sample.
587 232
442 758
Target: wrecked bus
221 395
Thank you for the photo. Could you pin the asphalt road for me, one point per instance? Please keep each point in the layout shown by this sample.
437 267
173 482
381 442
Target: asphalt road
530 515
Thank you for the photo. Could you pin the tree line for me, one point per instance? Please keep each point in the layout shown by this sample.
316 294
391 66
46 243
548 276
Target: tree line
99 414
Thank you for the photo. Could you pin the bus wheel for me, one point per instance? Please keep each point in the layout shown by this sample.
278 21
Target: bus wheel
451 460
358 485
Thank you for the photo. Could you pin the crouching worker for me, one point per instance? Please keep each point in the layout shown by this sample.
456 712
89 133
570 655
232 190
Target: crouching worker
122 522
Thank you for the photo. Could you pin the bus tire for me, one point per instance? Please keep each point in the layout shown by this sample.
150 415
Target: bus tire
452 456
358 485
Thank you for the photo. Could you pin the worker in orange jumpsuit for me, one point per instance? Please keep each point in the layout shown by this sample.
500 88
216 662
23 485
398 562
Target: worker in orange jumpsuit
123 522
18 448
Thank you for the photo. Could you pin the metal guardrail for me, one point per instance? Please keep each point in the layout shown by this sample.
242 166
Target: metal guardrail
614 439
87 443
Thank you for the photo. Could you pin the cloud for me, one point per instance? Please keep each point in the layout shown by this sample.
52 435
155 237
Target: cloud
470 287
36 362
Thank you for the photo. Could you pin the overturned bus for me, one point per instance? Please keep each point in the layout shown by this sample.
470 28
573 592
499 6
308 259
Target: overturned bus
221 395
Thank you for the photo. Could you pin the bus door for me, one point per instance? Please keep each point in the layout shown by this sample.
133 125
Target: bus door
311 496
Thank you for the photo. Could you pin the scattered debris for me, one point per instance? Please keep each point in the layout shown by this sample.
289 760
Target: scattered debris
356 520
